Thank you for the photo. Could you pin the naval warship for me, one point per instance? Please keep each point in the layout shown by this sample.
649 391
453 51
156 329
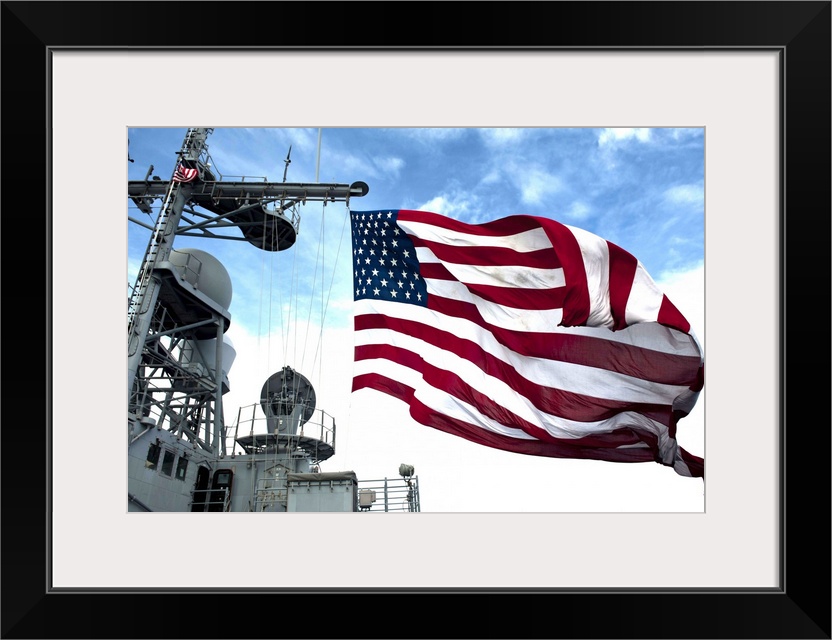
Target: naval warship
184 453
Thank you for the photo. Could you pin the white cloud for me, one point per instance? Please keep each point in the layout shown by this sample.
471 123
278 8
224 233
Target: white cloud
578 211
430 135
451 205
686 133
492 177
685 194
498 137
438 204
611 136
390 165
378 167
536 184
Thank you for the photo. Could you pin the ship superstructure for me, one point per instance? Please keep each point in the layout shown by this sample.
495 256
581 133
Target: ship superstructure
183 453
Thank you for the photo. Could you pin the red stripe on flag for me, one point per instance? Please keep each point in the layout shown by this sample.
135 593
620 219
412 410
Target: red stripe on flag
670 316
517 298
611 447
493 257
496 228
622 271
514 297
576 305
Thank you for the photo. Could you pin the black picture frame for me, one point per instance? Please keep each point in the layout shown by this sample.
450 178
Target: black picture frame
799 31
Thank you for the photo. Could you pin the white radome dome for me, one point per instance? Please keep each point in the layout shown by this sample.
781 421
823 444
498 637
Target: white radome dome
213 277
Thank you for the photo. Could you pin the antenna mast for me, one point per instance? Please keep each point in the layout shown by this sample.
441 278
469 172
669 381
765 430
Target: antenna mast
288 161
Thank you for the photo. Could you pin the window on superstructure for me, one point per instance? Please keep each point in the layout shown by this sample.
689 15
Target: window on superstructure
167 463
153 456
181 468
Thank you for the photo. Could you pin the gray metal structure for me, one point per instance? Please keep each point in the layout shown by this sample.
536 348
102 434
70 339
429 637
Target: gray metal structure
182 454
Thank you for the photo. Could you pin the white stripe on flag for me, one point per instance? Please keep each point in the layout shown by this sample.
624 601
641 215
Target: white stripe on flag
645 298
596 257
532 240
503 276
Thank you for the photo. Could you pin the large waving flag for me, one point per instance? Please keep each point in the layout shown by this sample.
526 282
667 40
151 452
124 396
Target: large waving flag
523 334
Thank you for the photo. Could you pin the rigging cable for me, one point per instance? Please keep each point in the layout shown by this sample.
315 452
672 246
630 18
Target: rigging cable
292 311
325 307
268 262
318 261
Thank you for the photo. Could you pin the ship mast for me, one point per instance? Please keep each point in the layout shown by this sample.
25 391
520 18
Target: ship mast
174 311
146 291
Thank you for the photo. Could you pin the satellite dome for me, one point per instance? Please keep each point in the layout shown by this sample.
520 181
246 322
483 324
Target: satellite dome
208 274
286 390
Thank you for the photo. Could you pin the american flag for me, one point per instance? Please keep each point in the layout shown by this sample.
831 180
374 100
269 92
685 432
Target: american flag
184 174
523 334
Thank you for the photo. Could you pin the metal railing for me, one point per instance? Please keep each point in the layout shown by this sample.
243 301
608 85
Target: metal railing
389 494
225 502
251 420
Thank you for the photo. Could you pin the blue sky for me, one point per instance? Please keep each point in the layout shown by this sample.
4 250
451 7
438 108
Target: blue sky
642 189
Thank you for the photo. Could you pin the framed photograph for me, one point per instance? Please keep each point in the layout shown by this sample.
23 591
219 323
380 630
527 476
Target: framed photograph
752 562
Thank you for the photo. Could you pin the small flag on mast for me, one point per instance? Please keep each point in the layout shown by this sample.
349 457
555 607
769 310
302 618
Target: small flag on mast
183 174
